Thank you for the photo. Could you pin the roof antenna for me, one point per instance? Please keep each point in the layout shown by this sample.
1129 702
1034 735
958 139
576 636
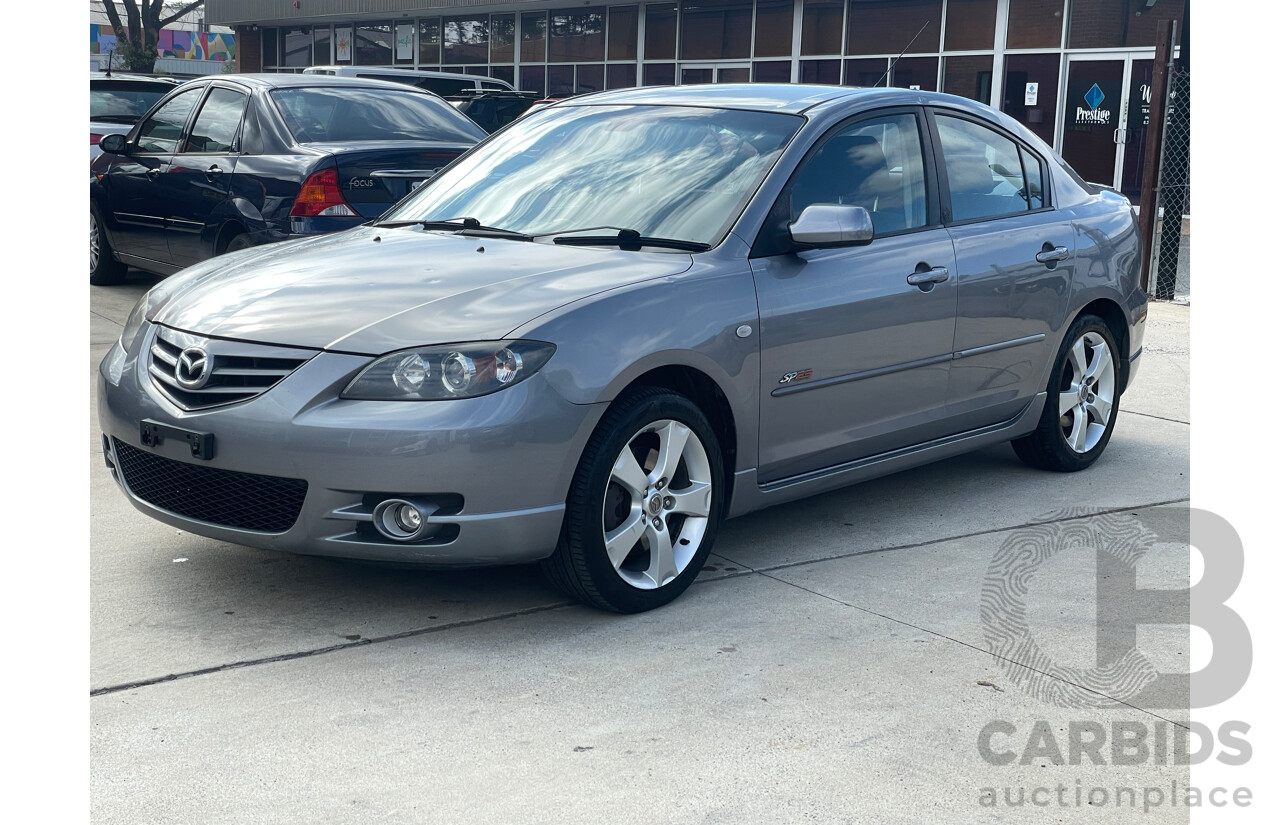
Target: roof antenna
894 62
111 57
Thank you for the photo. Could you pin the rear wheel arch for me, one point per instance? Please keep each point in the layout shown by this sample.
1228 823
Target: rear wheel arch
229 230
1113 316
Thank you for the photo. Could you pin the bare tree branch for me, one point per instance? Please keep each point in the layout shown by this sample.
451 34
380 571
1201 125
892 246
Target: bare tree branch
190 7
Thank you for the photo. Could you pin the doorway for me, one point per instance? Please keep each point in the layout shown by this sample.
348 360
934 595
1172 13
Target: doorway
1104 119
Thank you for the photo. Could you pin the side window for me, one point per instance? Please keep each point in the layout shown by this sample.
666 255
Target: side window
876 164
984 171
1035 180
219 119
161 131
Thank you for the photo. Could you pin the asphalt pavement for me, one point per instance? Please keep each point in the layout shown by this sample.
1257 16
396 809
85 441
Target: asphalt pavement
833 663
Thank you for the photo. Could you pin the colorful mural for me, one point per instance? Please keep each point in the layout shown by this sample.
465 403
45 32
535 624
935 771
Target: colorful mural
187 45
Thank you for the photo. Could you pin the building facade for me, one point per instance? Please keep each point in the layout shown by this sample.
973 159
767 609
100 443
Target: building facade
1076 72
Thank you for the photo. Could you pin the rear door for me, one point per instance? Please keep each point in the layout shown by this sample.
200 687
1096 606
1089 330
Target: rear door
854 359
1000 215
132 184
198 178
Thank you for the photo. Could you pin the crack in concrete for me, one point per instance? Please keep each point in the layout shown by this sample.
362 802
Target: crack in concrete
745 571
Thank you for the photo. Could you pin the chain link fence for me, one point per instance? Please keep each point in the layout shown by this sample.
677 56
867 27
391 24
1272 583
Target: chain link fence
1171 262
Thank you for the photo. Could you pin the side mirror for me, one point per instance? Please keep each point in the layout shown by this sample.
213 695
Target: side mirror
113 144
823 225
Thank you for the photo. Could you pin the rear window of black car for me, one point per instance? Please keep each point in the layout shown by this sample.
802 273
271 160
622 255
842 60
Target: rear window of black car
340 115
124 101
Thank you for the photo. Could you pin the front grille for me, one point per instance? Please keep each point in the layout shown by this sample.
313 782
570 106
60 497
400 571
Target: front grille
237 371
246 501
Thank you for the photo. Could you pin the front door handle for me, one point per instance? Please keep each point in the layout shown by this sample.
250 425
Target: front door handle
153 172
1051 254
927 278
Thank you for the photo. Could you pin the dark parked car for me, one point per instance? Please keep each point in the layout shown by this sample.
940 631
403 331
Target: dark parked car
231 162
117 101
630 316
492 110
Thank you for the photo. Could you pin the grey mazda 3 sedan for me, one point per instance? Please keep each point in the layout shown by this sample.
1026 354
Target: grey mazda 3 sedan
626 318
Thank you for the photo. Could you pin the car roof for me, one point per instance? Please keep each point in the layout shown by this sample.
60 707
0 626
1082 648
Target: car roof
792 98
287 81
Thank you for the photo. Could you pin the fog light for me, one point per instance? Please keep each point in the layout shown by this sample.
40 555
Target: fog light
402 519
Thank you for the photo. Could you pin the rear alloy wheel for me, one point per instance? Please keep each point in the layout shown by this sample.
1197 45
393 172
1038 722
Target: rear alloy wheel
1080 412
104 269
644 507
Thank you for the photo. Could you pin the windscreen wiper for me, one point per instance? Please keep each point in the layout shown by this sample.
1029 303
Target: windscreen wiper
630 240
462 226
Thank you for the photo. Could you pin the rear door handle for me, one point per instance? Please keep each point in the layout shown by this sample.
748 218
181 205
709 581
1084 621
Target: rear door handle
153 172
932 276
1057 253
213 171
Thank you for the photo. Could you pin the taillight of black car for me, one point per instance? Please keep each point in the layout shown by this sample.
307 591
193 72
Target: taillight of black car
321 196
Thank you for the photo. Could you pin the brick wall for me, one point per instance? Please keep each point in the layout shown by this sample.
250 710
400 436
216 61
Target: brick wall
248 49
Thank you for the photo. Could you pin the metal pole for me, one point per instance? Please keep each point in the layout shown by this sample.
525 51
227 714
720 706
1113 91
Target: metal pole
1147 205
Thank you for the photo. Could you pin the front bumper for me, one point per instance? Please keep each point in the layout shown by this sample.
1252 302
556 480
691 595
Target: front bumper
499 465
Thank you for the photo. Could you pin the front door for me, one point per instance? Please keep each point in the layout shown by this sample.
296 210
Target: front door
1104 122
854 358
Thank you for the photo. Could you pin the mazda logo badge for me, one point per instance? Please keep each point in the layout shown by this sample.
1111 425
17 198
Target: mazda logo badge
194 368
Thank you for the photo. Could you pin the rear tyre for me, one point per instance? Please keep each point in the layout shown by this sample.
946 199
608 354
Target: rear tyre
644 506
104 269
237 243
1084 397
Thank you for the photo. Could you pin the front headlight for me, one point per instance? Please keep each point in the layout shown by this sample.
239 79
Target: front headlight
449 371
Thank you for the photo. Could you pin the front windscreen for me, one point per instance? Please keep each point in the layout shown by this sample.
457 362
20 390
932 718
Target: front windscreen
342 114
675 172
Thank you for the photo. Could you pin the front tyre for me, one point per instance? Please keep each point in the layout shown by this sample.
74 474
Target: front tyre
644 507
1084 397
104 269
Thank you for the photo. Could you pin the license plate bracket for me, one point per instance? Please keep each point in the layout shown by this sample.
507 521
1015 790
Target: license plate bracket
154 433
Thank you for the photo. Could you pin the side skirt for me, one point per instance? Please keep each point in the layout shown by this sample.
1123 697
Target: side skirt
749 495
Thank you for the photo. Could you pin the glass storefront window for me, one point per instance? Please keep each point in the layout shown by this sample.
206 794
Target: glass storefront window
533 38
322 52
342 42
466 40
623 34
296 46
971 24
507 73
575 35
968 76
822 28
590 78
1041 69
1105 24
429 41
502 38
533 78
620 75
915 72
771 71
1035 24
660 36
773 29
887 26
820 71
715 29
373 44
559 81
869 71
660 74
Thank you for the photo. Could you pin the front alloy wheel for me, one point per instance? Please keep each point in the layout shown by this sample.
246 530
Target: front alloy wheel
644 506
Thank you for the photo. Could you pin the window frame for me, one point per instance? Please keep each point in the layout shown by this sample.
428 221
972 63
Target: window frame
944 183
235 147
183 130
773 237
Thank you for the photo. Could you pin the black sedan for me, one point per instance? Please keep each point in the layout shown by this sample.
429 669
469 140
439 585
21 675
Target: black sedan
225 163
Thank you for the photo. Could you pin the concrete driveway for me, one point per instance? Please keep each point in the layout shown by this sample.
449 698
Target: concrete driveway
831 664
